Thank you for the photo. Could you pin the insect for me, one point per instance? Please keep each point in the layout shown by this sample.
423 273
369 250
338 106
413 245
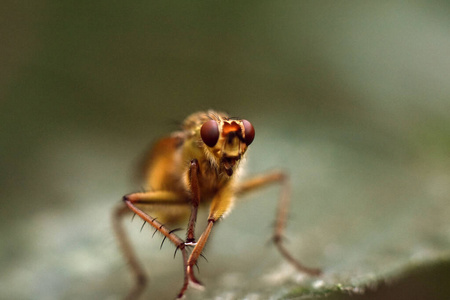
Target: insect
191 169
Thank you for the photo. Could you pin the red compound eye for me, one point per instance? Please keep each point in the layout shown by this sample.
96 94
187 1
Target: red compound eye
210 133
249 132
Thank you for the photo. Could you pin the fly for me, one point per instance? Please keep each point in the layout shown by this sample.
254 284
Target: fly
193 168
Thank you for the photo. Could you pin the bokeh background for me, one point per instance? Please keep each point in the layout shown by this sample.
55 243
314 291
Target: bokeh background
351 98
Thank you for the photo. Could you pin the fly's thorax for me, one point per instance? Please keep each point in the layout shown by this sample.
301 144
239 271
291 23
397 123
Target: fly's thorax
210 178
211 181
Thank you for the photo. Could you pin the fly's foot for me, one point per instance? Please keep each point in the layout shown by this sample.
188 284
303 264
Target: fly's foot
193 281
190 242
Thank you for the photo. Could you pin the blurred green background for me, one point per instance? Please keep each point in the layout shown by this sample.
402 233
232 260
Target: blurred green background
351 98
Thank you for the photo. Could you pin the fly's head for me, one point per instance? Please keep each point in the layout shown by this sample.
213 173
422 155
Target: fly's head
226 141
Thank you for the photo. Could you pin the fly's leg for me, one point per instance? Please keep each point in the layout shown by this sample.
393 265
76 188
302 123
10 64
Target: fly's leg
127 250
219 204
194 171
196 252
148 198
195 201
282 213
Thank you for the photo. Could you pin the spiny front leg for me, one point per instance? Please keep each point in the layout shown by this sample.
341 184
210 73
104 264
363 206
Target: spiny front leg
146 198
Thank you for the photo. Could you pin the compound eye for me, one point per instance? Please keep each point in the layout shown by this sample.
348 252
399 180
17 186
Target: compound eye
249 132
210 133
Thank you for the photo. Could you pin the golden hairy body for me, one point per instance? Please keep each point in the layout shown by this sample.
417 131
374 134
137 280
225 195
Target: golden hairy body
168 169
196 167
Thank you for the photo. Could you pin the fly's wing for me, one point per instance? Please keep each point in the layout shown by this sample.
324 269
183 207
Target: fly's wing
160 171
159 168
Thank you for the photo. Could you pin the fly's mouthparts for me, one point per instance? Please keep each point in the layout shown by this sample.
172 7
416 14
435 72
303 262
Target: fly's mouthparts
229 162
229 171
